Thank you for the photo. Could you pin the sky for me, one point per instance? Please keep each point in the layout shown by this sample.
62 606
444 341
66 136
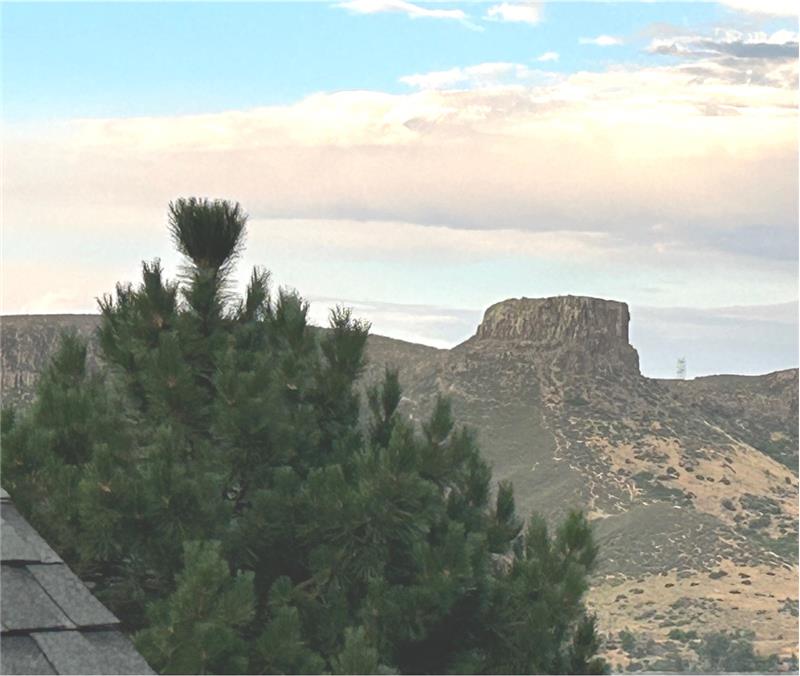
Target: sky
421 161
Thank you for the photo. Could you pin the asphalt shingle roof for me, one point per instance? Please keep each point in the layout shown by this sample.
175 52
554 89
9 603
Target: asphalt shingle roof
51 623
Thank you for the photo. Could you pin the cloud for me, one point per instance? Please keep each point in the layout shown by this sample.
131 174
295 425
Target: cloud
769 242
779 46
734 57
601 41
510 148
440 327
484 75
54 286
516 12
395 240
440 79
765 7
548 56
401 7
410 9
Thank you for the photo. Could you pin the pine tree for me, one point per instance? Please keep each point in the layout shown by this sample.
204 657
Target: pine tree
217 485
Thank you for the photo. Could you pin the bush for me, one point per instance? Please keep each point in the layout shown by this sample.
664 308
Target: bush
732 652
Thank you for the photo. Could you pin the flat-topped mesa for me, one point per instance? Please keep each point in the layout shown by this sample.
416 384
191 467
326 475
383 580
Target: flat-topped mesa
595 327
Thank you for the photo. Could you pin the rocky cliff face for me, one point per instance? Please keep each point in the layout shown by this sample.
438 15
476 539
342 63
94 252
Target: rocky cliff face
26 344
584 335
692 485
555 321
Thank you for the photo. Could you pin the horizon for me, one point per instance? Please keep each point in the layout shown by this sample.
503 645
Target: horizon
645 331
423 161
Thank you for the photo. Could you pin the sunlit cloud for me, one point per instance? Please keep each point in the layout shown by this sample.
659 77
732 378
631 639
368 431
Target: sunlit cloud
516 12
509 147
489 74
410 9
781 45
440 327
402 7
548 56
601 41
412 241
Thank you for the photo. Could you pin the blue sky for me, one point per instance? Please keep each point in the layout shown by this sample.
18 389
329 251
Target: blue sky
405 156
119 59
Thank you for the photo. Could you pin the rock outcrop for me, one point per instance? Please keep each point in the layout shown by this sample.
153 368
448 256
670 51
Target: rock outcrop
556 320
26 344
589 334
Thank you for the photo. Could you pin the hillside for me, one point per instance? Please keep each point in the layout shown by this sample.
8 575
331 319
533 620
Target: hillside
26 343
692 485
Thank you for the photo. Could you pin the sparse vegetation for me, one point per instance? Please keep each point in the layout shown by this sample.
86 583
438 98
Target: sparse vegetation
731 652
627 641
681 635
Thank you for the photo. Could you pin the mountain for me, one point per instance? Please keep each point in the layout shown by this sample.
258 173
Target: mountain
692 485
26 344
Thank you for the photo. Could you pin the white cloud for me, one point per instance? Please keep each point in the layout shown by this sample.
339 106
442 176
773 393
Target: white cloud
782 44
490 74
601 41
396 240
440 79
767 7
781 37
402 7
732 56
440 327
516 12
410 9
548 56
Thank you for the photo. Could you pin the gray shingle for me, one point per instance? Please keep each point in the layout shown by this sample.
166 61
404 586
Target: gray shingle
22 655
25 605
118 654
14 547
41 551
66 589
69 652
42 602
